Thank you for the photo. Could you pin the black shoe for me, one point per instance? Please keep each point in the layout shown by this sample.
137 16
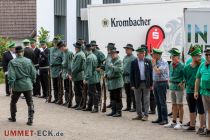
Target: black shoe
190 129
59 102
156 121
7 94
206 133
78 108
200 130
95 110
64 104
30 122
137 118
126 109
109 106
69 105
118 114
110 114
75 106
170 114
12 119
152 112
187 124
163 122
87 109
132 110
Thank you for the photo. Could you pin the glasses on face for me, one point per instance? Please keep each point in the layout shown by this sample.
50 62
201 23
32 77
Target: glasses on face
208 54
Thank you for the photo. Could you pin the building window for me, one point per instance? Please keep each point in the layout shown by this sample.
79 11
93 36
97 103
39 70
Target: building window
82 26
60 25
110 1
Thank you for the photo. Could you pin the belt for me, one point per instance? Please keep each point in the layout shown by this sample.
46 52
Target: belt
174 82
112 78
160 81
142 81
47 67
56 65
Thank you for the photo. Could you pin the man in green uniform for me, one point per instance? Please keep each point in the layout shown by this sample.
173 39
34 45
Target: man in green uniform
66 72
194 105
130 98
109 47
101 58
21 76
91 79
56 58
176 86
203 82
78 67
114 74
192 47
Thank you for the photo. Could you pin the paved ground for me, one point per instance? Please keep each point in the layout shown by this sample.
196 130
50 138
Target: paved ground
78 125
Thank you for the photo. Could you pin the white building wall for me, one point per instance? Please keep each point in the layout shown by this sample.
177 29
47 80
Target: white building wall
97 2
45 16
71 23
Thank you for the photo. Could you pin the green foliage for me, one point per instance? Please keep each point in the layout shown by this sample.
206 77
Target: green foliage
44 35
3 46
1 76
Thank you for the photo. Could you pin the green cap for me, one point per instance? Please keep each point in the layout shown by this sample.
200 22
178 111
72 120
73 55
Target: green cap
26 41
114 51
129 46
77 45
157 51
42 42
111 46
174 52
11 45
140 49
32 40
196 51
93 43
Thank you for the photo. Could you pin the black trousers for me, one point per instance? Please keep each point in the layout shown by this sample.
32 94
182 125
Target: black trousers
14 99
152 101
93 96
130 97
98 89
116 99
7 85
56 87
78 90
67 89
44 81
36 86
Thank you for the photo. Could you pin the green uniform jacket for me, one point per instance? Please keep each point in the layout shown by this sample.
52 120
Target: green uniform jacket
101 58
91 75
176 76
114 74
78 66
21 74
189 77
189 61
203 74
66 64
127 67
56 58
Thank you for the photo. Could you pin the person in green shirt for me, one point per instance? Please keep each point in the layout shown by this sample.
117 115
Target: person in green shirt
114 75
77 74
109 47
21 76
176 87
130 97
194 105
56 58
66 72
101 58
91 79
203 82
